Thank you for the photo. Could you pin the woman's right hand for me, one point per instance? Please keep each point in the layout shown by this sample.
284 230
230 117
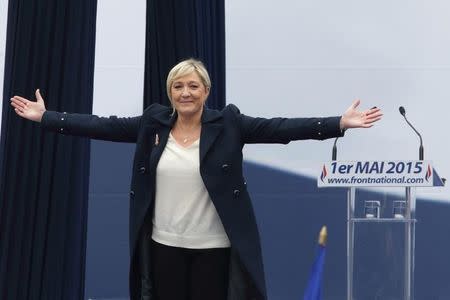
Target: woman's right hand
29 109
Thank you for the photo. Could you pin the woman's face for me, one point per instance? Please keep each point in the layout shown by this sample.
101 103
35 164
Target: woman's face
188 95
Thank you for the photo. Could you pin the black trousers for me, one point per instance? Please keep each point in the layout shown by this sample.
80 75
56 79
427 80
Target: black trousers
189 274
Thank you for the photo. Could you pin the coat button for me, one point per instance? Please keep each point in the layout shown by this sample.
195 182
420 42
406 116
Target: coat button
142 170
225 167
236 193
131 193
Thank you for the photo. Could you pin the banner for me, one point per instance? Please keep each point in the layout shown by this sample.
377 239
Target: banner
376 173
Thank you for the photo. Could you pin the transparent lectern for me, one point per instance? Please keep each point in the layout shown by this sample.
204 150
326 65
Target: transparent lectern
380 231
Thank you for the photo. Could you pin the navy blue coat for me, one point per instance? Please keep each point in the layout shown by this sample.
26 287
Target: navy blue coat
223 135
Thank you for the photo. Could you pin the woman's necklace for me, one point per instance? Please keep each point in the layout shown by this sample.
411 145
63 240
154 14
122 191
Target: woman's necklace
186 137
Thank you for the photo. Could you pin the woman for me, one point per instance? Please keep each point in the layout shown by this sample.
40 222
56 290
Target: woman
193 233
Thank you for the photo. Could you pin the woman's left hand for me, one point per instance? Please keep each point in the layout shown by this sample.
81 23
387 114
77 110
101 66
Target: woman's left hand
352 118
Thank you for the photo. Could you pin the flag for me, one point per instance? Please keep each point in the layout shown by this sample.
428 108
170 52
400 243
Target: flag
314 288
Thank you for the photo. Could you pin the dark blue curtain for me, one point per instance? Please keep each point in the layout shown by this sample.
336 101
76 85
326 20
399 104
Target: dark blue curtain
44 177
181 29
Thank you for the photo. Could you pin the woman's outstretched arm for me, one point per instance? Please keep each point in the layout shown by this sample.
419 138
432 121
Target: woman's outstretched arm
110 129
284 130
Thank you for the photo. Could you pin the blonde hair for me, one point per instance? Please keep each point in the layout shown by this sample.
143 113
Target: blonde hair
184 68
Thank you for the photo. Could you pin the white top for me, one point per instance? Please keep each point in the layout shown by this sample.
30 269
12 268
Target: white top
184 214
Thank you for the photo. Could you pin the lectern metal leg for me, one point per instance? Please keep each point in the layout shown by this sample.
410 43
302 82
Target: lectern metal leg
410 198
350 240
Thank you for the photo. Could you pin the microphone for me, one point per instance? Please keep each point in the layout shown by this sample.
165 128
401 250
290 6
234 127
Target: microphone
403 113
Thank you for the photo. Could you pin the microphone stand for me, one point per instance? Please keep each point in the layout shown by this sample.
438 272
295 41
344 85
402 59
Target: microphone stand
403 113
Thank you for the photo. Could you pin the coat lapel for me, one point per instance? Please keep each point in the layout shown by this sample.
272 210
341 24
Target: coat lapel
211 128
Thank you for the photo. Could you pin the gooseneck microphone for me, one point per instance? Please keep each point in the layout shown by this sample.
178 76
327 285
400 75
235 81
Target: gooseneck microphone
334 151
403 113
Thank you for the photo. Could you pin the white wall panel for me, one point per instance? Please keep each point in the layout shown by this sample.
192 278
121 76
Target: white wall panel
311 58
119 58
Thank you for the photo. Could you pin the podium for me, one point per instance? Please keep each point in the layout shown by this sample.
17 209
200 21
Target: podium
380 232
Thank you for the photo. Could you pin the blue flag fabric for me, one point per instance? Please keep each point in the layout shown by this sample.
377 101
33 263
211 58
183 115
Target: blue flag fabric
314 288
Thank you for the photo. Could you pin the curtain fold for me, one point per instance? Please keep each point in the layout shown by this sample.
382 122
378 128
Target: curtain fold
44 177
177 30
